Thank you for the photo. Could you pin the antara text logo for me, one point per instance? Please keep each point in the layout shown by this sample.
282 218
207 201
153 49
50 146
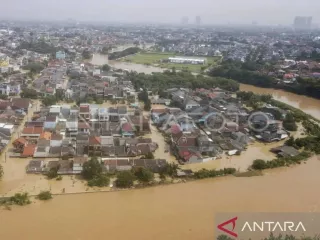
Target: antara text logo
229 226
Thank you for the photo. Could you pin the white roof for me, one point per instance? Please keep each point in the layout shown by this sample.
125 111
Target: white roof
8 126
2 125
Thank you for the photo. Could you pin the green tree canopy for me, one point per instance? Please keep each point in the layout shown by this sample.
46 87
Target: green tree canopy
143 175
125 179
91 169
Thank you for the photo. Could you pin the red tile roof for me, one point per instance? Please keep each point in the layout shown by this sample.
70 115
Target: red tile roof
94 140
127 127
20 140
28 150
32 130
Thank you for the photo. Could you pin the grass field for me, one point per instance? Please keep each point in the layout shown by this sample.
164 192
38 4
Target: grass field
155 59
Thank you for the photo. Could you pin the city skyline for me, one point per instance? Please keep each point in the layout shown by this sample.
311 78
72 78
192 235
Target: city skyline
211 11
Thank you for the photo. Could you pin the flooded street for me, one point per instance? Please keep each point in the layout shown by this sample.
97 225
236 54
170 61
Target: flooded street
180 211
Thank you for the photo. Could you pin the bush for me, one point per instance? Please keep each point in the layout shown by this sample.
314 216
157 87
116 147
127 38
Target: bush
20 199
143 175
101 180
125 179
205 173
44 195
99 101
259 164
53 173
59 178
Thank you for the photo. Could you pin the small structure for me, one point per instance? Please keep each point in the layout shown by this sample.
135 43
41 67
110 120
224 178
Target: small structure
78 164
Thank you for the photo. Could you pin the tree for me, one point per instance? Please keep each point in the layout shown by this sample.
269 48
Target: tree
148 156
125 179
29 93
86 54
91 169
170 169
147 105
1 171
44 195
99 101
259 164
3 96
100 180
53 173
106 68
49 100
143 175
289 123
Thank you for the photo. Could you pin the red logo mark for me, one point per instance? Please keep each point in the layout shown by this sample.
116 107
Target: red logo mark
222 227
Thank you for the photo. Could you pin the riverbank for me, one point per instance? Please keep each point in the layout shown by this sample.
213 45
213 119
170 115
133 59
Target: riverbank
181 211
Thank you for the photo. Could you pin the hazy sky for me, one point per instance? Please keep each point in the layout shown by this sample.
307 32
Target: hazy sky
162 11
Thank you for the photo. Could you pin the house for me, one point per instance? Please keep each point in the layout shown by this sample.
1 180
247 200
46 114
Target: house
191 104
127 130
45 135
65 167
19 144
285 151
35 166
42 149
50 122
83 127
94 146
190 156
32 132
28 150
78 164
82 144
56 140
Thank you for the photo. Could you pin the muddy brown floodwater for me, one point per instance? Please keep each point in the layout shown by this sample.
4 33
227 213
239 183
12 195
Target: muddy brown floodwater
307 104
180 211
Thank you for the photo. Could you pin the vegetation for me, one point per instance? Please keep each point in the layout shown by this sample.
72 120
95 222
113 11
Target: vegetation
125 179
260 164
34 67
106 68
100 180
39 47
251 73
161 59
126 52
289 122
172 79
86 54
144 175
49 100
53 173
170 169
29 93
205 173
44 195
20 199
93 173
91 169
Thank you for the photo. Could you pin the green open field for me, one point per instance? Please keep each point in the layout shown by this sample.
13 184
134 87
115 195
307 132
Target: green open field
156 57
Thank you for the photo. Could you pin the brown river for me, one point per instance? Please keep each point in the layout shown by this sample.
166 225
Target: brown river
179 211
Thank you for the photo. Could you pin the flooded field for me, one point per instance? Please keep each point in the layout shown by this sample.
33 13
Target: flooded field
181 211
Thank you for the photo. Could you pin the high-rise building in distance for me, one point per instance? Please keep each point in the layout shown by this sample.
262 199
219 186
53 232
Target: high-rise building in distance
302 22
184 20
198 20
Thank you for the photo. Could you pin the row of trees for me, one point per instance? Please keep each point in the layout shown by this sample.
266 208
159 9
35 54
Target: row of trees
248 73
260 164
173 79
126 52
144 97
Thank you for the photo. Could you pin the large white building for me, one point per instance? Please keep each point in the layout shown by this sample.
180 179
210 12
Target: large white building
187 60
